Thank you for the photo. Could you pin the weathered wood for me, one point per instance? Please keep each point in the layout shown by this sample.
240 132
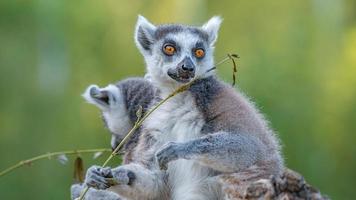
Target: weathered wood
289 186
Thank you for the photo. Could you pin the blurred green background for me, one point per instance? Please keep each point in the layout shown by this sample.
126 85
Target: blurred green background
298 63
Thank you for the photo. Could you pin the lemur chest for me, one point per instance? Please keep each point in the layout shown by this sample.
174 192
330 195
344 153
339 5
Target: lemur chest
177 120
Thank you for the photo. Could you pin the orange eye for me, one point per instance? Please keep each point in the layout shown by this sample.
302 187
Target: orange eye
169 50
199 53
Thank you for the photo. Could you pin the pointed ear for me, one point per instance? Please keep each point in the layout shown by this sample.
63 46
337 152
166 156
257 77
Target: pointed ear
212 28
144 34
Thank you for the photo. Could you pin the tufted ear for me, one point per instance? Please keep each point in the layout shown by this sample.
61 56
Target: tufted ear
144 34
212 28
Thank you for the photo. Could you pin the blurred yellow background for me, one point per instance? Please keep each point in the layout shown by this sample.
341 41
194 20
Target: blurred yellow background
298 63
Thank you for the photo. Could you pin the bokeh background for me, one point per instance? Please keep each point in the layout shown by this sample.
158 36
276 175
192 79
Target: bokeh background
298 63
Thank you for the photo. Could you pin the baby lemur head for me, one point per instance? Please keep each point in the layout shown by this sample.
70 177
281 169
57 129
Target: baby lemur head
174 54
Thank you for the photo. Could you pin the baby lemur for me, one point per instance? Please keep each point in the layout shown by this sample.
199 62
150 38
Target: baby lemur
181 150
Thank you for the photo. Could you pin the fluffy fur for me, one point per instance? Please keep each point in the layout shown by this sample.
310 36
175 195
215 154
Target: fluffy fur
192 141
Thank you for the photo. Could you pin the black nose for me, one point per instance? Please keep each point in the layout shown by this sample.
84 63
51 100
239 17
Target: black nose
187 68
187 65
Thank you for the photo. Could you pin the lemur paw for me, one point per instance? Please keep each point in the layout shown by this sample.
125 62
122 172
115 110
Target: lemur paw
104 98
167 153
123 176
98 177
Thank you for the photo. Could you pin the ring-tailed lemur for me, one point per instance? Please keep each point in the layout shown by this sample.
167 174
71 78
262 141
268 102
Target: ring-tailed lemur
188 143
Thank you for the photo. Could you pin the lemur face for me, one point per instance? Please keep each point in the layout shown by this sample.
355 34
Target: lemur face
175 54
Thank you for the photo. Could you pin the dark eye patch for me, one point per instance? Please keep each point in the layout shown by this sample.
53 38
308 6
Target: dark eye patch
172 43
198 45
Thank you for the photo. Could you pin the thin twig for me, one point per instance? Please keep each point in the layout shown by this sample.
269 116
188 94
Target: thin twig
49 156
139 121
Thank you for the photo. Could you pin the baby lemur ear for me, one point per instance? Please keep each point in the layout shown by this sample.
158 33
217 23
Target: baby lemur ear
144 34
212 28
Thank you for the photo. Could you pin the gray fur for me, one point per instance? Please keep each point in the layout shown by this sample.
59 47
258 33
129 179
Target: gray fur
144 34
164 30
133 94
93 194
193 140
137 92
144 39
223 151
204 92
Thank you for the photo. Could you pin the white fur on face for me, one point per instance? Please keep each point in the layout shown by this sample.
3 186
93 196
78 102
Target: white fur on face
158 66
157 63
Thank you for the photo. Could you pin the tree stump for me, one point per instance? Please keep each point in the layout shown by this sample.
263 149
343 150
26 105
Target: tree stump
288 186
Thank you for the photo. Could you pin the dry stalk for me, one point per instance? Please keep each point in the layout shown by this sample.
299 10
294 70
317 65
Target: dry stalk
49 156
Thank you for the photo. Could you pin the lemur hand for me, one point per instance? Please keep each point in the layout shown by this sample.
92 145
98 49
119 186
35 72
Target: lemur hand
123 175
103 178
98 177
167 153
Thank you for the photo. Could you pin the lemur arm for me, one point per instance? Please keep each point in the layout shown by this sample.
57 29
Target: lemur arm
222 151
146 183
